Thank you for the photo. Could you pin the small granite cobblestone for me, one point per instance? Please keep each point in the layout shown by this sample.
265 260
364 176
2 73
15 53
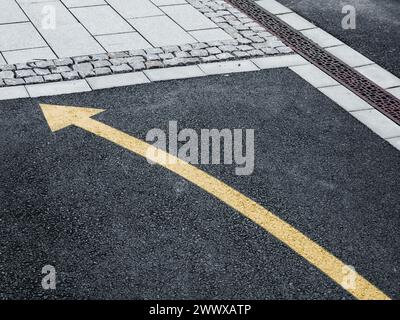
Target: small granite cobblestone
34 79
71 75
52 77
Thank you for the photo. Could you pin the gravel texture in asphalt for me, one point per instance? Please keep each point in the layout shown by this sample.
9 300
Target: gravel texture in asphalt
114 226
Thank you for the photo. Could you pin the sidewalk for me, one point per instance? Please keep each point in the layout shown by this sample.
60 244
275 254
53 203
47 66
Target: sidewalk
48 41
38 29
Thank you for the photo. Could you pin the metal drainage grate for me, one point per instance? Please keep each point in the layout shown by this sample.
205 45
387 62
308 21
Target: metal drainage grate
376 96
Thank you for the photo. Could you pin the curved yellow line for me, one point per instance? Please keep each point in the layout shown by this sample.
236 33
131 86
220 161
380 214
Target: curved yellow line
301 244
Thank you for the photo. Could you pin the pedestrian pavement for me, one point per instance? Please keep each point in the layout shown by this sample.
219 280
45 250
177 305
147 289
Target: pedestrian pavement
90 39
43 29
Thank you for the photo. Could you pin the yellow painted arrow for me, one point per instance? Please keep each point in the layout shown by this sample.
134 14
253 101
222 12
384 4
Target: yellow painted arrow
59 117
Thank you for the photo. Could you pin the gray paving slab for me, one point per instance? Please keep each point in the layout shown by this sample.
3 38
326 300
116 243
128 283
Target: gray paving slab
349 56
168 2
169 34
314 76
188 17
395 91
13 93
279 61
135 8
123 41
345 98
380 76
174 73
27 37
273 6
82 3
378 123
395 142
117 80
210 35
101 20
67 37
56 12
228 67
71 41
26 55
10 12
57 88
321 37
296 21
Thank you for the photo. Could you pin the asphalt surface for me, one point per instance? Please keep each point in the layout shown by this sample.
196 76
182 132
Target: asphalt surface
377 33
116 227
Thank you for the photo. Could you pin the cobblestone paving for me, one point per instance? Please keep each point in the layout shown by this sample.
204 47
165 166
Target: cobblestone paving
248 39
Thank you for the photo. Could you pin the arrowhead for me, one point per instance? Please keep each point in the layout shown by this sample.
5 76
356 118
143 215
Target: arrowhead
59 117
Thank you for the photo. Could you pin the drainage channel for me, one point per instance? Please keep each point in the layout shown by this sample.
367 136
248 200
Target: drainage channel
376 96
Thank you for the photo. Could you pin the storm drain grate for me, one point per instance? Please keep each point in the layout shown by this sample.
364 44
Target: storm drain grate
351 79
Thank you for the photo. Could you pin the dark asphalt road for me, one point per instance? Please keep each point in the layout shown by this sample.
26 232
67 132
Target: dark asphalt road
116 227
377 33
